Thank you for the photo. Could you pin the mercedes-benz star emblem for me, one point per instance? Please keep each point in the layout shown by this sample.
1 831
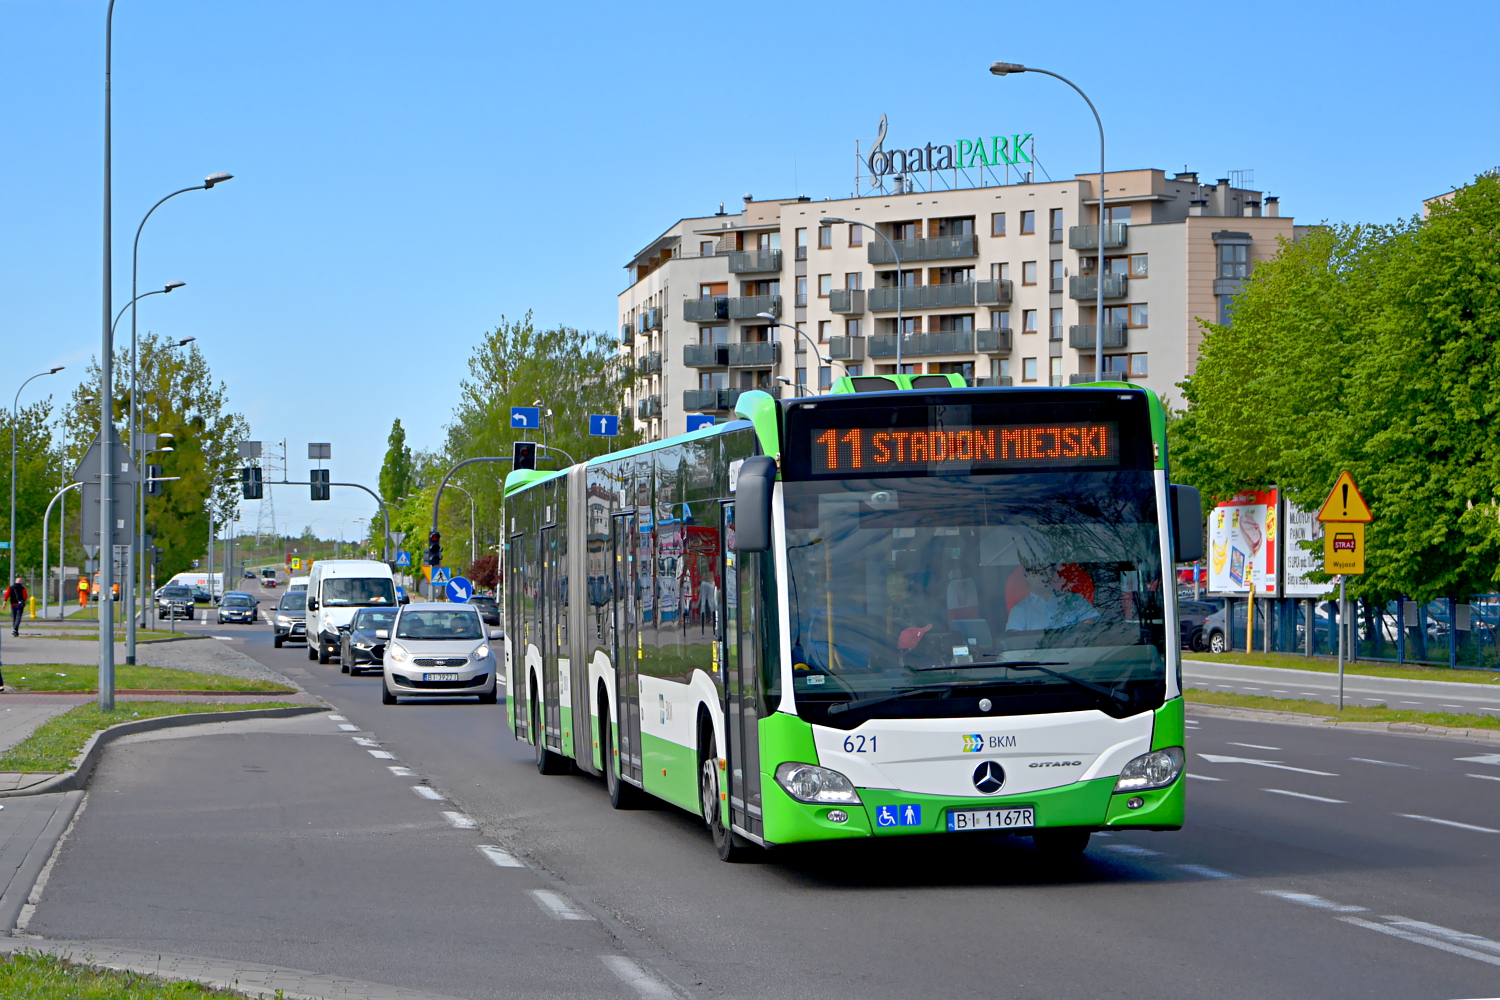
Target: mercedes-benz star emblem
988 777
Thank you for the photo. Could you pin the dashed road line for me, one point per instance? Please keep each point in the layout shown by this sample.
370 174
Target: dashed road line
1458 937
1431 942
459 821
1253 746
1203 777
337 718
1304 795
1218 759
365 742
629 972
401 772
426 792
346 727
1308 899
381 754
1484 777
1383 763
1205 871
1448 822
557 906
498 856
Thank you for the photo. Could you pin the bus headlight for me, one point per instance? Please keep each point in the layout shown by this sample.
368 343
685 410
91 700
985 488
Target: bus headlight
810 783
1156 769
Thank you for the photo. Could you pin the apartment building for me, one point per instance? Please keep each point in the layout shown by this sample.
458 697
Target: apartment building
996 283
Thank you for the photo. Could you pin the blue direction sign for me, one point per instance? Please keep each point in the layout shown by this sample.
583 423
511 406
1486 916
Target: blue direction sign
400 595
604 425
403 559
526 417
442 574
459 590
696 421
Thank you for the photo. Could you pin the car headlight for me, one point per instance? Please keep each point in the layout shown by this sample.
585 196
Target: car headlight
396 653
810 783
482 653
1156 769
283 620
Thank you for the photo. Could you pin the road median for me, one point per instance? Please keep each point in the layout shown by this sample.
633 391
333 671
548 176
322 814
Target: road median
1292 711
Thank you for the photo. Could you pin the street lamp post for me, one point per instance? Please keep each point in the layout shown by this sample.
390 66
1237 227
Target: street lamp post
900 291
771 319
473 536
1005 69
14 425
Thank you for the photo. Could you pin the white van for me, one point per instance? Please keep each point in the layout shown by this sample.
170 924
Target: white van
201 579
296 583
336 588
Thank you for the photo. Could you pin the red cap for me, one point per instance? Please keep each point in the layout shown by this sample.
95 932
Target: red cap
910 637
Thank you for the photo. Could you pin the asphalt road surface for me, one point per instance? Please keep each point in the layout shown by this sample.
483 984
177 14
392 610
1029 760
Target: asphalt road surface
1393 692
1314 864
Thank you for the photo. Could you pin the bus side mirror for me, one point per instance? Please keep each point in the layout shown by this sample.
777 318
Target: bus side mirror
1187 524
752 504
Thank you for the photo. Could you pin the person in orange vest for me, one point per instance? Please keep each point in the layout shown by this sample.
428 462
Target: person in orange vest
83 592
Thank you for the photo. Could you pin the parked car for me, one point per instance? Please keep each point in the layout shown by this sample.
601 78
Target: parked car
202 596
489 608
439 651
238 606
1212 634
360 644
290 622
1190 618
176 604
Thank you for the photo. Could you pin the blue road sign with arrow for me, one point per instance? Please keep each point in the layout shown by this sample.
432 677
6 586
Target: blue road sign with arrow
604 425
459 590
697 421
526 417
403 559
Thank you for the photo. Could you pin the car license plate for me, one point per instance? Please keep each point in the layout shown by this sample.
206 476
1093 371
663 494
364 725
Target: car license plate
963 820
440 677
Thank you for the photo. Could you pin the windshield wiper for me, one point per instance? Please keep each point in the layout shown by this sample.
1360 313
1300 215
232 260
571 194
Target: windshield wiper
1110 693
849 706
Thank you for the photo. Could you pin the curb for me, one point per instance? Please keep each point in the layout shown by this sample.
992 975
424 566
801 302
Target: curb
1417 729
175 638
1494 675
79 777
30 868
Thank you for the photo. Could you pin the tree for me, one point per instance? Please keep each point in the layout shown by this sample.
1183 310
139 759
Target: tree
484 572
39 474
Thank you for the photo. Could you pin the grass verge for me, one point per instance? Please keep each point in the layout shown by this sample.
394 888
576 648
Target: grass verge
1329 665
38 976
58 740
85 677
1372 713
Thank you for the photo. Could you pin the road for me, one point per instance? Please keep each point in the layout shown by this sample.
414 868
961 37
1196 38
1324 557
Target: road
1314 864
1394 692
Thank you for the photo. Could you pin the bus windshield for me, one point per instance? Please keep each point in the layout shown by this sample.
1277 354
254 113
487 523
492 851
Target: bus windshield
908 596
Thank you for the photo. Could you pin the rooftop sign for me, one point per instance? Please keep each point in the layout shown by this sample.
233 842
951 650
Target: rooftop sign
979 153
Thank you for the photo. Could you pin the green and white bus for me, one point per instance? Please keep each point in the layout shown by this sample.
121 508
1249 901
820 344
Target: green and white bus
900 608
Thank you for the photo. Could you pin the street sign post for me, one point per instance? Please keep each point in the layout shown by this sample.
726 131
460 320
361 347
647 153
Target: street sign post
604 425
1344 515
459 590
526 418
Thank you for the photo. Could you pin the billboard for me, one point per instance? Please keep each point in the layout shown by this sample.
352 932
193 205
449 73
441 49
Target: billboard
1301 526
1242 545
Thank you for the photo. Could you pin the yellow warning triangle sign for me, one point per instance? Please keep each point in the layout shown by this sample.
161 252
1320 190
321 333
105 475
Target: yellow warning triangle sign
1344 503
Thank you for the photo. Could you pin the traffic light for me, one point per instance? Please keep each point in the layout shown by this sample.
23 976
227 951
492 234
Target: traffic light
320 488
435 549
250 483
523 455
153 480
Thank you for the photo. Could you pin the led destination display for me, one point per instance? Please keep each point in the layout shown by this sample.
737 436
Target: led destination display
870 450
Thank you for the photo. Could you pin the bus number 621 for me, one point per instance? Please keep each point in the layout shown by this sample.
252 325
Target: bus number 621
856 744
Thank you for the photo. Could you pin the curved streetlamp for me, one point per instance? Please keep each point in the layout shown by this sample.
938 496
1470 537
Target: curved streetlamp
900 292
13 427
1006 69
171 286
771 319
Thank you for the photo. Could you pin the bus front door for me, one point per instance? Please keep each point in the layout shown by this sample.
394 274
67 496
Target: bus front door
627 602
551 615
738 648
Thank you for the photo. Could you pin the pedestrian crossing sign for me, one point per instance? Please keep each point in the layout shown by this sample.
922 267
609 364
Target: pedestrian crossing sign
442 574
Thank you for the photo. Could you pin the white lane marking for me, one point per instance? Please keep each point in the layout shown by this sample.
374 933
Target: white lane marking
401 772
1132 850
1448 822
1461 937
381 754
337 718
1383 763
1203 777
1490 708
1226 687
1304 795
1308 899
1205 871
1216 759
1484 777
1247 688
427 793
348 728
225 638
1430 942
499 857
1411 703
631 974
459 821
1484 758
1450 706
1310 694
1278 690
362 741
1253 746
558 906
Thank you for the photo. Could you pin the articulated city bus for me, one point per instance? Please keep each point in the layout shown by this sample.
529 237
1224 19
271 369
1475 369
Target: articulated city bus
924 610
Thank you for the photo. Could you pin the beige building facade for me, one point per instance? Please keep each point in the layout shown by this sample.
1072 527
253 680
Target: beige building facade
994 283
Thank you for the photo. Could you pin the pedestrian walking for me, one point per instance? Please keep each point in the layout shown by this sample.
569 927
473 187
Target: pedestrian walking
83 593
16 594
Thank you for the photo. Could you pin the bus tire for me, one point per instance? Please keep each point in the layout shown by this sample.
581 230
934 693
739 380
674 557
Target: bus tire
1060 843
730 846
547 762
622 794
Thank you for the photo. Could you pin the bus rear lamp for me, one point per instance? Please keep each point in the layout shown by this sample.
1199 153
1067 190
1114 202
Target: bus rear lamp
1156 769
817 785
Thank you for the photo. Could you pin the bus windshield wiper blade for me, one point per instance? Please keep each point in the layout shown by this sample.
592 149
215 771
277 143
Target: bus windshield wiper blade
1110 693
998 663
849 706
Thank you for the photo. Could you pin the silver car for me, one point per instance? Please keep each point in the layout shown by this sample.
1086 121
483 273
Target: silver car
439 651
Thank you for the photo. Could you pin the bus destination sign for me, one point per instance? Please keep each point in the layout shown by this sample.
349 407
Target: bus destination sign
869 451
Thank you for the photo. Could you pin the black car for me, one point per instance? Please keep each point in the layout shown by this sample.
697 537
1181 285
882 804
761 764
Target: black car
359 642
238 606
175 604
290 621
489 608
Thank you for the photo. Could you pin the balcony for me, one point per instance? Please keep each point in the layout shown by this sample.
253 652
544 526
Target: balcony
705 355
846 348
1084 286
747 306
649 364
760 354
992 293
647 408
992 382
918 297
650 319
1084 336
993 341
1087 237
911 251
923 345
754 261
627 334
847 300
706 310
709 400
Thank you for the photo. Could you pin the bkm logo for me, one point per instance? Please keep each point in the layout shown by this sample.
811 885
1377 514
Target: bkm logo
973 743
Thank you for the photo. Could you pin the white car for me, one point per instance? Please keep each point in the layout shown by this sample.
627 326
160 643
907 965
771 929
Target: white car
439 651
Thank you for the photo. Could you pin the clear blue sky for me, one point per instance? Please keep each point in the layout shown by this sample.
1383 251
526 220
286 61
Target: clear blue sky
407 174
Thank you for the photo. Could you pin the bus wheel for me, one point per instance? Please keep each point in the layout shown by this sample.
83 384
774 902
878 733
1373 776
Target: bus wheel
1060 844
730 845
622 794
547 762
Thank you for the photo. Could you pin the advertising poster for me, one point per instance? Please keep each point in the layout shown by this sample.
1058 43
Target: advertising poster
1242 546
1302 526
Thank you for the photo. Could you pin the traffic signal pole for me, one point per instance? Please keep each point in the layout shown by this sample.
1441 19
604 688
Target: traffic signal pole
320 485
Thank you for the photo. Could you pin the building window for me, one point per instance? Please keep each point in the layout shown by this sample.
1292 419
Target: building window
853 328
951 275
1055 282
909 324
1055 225
856 235
768 241
1054 325
1054 371
1138 267
825 377
801 376
825 237
1234 260
708 290
825 285
1028 273
823 327
1117 213
713 334
854 280
1028 369
999 319
706 248
713 380
1028 321
1138 315
1117 265
1028 223
799 336
856 370
960 324
801 235
1226 304
802 290
1000 367
1138 364
997 224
